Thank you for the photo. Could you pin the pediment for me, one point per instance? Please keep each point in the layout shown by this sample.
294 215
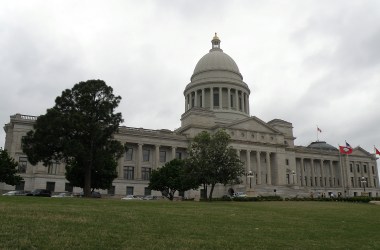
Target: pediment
253 124
359 151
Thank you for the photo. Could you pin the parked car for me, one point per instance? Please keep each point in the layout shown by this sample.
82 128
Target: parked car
239 194
40 192
148 197
62 195
16 193
131 197
96 195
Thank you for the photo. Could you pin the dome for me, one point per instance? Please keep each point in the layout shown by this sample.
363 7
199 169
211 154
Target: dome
322 145
217 61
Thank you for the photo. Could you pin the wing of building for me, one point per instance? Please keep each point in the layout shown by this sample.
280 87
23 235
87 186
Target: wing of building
218 98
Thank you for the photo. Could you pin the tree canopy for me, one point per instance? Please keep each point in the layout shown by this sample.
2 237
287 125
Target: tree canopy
211 160
8 169
170 178
79 131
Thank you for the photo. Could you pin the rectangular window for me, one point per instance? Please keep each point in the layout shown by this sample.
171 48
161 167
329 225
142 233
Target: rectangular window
287 162
129 154
147 191
145 172
53 167
50 186
111 190
20 186
162 156
232 101
178 155
22 164
146 154
352 182
374 182
68 187
365 168
129 190
373 169
358 168
240 104
359 182
129 172
351 168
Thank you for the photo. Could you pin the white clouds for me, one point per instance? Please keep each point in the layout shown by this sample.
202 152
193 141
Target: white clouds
307 62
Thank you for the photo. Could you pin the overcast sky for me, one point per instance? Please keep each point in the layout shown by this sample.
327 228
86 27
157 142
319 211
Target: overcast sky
311 63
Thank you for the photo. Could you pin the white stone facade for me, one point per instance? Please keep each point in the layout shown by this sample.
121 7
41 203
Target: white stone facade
217 98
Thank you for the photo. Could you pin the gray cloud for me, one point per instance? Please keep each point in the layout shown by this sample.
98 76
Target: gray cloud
306 62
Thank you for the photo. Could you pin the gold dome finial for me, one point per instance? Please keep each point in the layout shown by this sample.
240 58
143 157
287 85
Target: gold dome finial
216 36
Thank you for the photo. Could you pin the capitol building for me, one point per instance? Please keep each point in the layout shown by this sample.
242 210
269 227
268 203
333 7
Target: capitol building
217 98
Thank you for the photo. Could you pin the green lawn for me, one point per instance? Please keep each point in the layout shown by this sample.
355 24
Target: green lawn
75 223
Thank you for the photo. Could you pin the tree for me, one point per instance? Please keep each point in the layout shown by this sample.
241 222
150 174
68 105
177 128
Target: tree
212 161
79 131
8 169
171 178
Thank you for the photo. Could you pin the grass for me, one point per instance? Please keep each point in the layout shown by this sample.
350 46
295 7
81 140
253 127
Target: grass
71 223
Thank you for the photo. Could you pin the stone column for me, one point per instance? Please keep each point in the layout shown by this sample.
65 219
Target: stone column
302 173
356 183
322 174
248 161
186 100
312 182
245 102
196 98
229 98
237 99
258 167
370 177
139 162
173 152
157 156
331 173
203 98
120 169
220 98
212 98
269 171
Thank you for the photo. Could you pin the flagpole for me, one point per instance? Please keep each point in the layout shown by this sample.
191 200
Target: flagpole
341 170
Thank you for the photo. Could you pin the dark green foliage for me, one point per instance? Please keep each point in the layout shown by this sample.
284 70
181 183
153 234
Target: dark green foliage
171 178
79 131
8 169
212 161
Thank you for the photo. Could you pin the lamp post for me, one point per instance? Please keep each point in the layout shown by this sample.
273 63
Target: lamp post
250 175
364 182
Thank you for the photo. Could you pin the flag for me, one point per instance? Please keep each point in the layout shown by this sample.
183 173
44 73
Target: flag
319 130
348 145
345 150
377 151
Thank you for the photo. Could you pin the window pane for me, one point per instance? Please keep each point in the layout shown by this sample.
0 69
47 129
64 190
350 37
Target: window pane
147 191
129 154
50 186
129 190
129 172
22 164
146 154
162 156
178 155
145 173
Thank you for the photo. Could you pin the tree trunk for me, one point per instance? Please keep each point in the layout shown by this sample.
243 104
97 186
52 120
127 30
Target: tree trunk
87 182
211 191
